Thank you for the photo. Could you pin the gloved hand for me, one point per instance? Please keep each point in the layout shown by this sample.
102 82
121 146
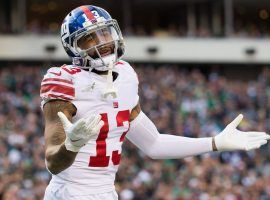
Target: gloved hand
79 133
232 139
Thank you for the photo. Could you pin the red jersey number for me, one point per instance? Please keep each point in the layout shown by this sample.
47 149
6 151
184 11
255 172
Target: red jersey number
101 159
71 70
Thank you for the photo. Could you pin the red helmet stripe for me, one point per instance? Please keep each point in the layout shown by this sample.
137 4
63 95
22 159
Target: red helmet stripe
88 13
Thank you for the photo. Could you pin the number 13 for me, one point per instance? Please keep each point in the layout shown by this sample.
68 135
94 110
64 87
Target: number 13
101 159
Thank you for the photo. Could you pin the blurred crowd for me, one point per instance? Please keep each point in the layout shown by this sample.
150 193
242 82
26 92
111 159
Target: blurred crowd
241 29
179 101
194 104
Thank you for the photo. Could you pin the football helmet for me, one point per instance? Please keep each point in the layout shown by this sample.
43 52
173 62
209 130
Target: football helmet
92 38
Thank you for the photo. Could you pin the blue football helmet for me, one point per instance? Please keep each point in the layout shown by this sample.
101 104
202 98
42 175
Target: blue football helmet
92 38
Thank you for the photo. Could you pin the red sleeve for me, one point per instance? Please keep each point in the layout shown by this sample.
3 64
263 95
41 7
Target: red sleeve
57 84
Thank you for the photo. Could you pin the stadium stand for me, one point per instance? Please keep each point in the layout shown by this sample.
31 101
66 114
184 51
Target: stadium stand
191 103
179 97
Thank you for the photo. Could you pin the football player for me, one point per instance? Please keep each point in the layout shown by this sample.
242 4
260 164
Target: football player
91 105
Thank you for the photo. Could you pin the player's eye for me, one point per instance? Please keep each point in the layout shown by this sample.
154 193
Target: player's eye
88 38
106 32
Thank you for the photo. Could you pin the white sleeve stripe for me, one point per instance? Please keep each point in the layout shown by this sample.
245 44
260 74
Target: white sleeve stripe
56 94
57 83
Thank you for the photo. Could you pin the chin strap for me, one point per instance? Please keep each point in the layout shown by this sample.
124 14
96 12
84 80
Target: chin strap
110 90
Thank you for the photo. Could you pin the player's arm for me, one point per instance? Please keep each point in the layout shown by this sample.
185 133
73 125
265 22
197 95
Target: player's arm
57 156
63 139
144 134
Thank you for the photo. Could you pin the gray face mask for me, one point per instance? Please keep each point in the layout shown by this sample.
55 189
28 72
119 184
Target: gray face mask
99 45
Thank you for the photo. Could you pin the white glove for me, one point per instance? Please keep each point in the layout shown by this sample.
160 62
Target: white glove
232 139
78 134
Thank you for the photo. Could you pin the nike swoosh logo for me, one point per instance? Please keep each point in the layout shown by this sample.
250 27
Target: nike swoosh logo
74 140
57 74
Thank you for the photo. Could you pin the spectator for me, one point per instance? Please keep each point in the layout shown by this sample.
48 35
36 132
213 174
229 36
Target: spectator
187 103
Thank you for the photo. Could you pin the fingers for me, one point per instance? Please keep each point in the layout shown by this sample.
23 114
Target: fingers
100 124
98 127
236 121
79 125
64 120
258 138
62 117
89 123
255 145
261 142
93 121
90 119
256 134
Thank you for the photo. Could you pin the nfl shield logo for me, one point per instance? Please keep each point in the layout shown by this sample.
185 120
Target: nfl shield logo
115 104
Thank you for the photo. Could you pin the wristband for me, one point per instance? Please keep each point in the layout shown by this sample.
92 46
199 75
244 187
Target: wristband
214 147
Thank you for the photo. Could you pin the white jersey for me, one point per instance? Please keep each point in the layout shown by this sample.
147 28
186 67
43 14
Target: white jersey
96 164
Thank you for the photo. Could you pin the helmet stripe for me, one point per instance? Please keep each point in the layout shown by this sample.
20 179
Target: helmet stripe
88 13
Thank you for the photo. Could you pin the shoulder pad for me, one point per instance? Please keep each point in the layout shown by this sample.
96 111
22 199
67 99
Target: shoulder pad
57 84
127 68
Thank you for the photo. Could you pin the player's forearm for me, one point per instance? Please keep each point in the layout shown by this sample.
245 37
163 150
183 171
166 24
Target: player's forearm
143 133
57 156
171 147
